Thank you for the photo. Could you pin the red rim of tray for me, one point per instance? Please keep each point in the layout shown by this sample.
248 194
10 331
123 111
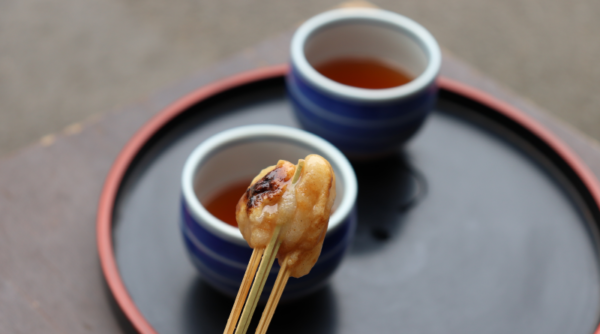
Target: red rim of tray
131 149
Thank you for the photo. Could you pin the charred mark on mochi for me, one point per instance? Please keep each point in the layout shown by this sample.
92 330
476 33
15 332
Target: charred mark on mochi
271 185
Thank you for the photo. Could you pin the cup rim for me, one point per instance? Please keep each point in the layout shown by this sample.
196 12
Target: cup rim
308 28
253 132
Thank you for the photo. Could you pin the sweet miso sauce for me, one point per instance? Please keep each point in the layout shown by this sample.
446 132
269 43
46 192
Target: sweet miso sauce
222 203
367 73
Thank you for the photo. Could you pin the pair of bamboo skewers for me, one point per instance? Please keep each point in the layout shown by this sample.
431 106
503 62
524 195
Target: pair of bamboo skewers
261 261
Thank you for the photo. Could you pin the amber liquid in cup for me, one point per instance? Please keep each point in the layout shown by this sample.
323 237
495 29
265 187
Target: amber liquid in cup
366 73
222 203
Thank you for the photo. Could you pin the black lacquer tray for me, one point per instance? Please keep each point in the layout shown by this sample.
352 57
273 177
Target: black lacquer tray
483 223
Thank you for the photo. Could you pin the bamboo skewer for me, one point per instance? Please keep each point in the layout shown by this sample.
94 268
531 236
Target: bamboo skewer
276 293
259 282
240 299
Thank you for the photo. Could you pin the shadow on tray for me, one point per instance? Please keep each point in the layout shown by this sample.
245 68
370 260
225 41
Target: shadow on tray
388 189
207 312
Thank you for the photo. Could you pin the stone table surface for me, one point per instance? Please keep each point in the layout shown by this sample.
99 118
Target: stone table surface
50 277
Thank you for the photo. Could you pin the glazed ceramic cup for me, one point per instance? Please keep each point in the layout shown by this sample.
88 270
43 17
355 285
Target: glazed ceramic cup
217 249
363 122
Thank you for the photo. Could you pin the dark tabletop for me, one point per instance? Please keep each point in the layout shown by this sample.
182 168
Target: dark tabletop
50 277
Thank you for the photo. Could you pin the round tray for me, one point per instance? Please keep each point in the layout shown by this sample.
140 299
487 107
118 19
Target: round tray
483 223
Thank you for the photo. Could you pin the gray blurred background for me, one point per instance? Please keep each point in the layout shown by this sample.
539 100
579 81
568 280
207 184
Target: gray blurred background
64 61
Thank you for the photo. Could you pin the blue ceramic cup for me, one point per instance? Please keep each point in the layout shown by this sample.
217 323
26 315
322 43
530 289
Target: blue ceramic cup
363 123
217 249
